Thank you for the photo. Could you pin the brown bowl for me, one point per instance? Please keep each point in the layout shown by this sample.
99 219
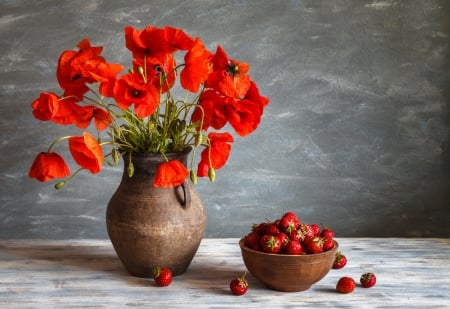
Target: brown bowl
288 273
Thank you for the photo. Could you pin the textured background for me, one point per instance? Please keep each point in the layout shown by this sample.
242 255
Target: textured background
356 135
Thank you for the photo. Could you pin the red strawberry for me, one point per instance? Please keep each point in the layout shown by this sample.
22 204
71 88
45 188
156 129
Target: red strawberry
284 239
328 244
313 245
272 229
345 285
315 229
327 233
339 261
289 222
162 276
270 244
295 235
239 286
260 228
305 231
294 247
251 240
368 280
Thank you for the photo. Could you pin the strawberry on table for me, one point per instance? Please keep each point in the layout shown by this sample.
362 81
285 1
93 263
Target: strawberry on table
339 261
162 276
239 286
345 285
368 280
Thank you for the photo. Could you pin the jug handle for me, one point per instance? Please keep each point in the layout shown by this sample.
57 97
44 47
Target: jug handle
186 203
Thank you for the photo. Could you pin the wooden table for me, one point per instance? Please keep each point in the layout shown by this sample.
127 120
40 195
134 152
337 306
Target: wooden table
411 273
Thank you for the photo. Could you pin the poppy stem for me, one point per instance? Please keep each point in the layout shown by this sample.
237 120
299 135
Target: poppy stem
61 184
57 141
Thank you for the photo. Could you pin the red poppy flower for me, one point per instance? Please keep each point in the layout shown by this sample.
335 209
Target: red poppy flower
216 155
202 169
50 107
152 41
98 71
229 76
170 174
70 67
77 68
102 118
197 66
47 166
132 89
159 70
83 115
86 152
212 111
245 115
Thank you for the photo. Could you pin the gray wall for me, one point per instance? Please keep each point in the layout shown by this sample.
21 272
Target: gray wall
356 135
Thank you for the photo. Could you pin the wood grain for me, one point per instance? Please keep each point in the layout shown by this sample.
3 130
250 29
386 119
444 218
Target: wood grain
411 273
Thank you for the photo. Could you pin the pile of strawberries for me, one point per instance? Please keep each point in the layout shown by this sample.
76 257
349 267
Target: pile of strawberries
289 235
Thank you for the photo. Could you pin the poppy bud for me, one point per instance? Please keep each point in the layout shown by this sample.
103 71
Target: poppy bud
141 70
198 139
59 185
115 155
212 174
130 169
193 177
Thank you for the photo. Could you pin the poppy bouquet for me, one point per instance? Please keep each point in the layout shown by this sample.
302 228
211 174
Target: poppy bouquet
136 111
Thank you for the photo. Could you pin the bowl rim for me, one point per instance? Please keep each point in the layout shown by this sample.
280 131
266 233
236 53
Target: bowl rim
244 247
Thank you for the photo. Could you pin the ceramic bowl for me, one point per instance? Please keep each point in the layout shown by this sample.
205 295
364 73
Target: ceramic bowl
288 273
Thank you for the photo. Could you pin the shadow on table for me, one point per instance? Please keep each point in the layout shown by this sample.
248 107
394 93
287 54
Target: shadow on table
101 260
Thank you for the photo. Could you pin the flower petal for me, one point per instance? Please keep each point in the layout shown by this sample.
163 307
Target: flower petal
86 152
170 174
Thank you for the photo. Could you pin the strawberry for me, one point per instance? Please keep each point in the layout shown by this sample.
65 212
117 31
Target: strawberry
305 231
294 247
339 261
328 244
289 222
239 286
295 235
162 276
284 239
345 285
251 240
270 244
315 229
327 233
313 245
272 229
260 228
368 280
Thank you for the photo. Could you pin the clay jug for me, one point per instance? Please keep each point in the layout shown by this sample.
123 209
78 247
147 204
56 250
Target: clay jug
150 226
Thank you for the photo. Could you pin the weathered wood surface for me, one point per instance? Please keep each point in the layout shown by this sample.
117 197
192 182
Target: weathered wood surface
411 273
